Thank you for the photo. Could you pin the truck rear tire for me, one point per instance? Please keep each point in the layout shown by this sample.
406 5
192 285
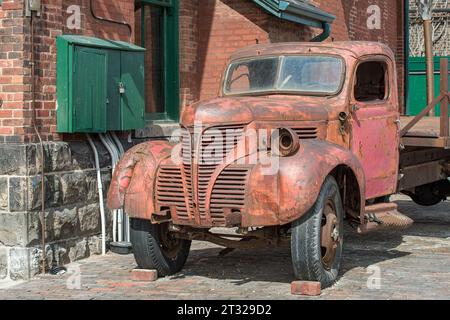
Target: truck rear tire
431 194
155 248
317 238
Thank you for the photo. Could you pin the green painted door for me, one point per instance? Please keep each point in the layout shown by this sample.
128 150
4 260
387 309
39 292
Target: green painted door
131 90
417 84
89 90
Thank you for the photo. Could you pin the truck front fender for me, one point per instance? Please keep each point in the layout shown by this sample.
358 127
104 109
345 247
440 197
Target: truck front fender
133 179
283 197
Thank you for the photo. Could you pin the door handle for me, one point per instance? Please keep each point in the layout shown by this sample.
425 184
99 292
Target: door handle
355 107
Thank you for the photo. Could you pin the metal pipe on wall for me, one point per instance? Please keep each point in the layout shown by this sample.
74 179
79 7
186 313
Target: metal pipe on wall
117 218
116 159
100 192
126 218
113 163
41 143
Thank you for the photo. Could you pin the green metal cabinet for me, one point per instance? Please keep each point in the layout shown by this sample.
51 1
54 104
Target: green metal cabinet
417 84
100 85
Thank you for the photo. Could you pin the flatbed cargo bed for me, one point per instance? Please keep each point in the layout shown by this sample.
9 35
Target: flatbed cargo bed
424 134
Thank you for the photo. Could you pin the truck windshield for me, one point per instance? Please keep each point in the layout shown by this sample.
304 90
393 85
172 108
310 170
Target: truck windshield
308 75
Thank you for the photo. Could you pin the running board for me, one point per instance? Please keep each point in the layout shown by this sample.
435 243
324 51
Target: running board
384 216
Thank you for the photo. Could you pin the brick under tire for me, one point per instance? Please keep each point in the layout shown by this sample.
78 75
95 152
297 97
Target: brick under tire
154 248
317 238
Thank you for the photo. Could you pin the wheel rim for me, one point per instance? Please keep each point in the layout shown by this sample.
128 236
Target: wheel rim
330 235
168 243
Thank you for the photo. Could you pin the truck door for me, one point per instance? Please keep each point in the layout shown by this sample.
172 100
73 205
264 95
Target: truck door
374 124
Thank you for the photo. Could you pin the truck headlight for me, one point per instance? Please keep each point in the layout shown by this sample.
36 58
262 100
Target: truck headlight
284 142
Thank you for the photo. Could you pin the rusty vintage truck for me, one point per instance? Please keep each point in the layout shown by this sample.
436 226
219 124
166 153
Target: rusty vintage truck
302 137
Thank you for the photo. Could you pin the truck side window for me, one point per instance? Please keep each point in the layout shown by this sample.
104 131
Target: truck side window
371 81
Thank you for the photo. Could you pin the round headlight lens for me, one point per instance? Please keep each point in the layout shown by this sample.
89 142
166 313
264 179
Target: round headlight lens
285 142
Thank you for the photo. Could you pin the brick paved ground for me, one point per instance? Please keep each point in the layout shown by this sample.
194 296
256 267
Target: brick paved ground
413 264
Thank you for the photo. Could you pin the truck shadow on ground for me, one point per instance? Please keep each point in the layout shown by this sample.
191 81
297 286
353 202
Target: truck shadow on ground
360 251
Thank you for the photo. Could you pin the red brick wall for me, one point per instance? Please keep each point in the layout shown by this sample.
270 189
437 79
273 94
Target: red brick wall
13 85
15 56
227 25
189 49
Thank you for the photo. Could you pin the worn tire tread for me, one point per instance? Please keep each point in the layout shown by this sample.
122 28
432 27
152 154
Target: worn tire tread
305 241
147 252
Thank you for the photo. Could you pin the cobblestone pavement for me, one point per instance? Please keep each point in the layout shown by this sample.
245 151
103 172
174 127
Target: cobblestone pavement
413 264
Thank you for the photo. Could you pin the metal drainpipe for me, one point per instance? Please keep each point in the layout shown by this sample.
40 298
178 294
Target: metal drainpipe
100 192
121 151
103 19
114 159
41 143
326 27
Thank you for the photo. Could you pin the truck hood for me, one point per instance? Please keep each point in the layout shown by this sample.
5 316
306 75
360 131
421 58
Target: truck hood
248 109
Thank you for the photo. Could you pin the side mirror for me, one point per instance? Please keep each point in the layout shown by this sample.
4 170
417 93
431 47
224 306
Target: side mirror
343 117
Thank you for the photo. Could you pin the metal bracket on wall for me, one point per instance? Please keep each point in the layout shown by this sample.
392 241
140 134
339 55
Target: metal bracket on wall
32 5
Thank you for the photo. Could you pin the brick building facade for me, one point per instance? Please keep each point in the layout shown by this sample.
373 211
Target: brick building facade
209 31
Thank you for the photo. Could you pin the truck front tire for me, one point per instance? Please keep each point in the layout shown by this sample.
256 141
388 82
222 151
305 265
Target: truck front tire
317 238
154 247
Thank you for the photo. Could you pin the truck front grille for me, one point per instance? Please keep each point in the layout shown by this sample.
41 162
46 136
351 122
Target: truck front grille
169 190
223 139
190 181
228 192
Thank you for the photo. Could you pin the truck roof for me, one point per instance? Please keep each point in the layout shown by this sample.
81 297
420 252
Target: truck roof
343 48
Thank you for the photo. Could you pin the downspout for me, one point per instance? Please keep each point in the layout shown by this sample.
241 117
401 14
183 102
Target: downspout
121 151
326 31
113 165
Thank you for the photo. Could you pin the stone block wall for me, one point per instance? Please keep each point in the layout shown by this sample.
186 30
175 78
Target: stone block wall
72 215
